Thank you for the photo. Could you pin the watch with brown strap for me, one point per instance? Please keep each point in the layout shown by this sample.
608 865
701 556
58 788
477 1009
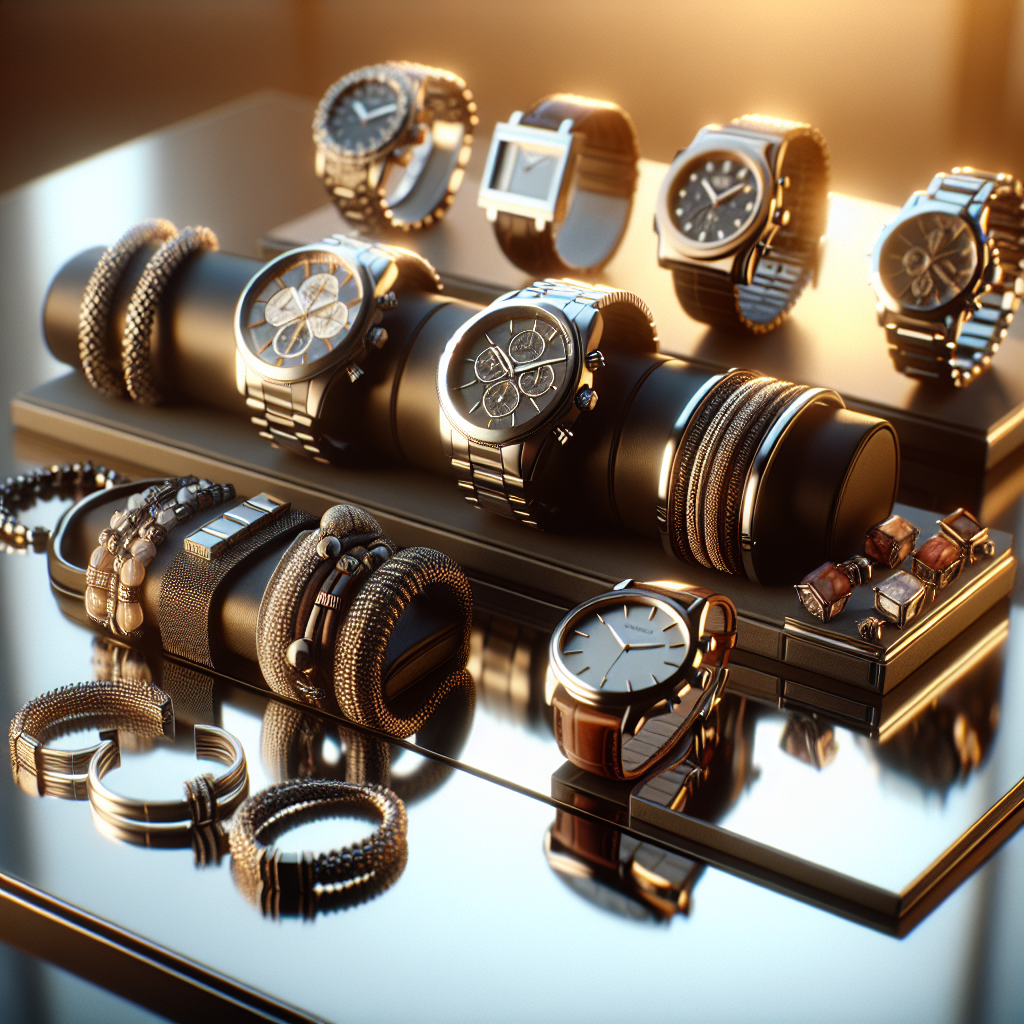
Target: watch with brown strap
633 673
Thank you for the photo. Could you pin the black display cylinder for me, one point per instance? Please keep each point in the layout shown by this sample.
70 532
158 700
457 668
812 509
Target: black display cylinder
834 473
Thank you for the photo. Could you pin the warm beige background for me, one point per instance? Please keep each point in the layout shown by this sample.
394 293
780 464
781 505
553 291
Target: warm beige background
901 88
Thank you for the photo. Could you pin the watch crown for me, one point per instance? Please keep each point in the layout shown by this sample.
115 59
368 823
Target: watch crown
388 301
354 372
586 399
594 360
562 433
377 336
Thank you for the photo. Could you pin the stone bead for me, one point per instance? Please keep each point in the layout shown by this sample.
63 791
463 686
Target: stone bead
96 602
144 550
133 572
101 559
129 616
938 552
136 501
891 541
117 519
166 518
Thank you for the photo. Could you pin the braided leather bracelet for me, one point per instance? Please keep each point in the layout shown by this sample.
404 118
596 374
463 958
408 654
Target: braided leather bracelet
100 370
287 884
136 707
294 586
145 303
360 652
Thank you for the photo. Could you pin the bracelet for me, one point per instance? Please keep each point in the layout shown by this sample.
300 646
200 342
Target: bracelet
359 655
291 884
144 305
206 801
101 371
136 707
117 565
17 493
292 592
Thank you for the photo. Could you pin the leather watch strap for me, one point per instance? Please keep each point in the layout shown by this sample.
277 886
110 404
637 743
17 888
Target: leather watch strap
962 347
593 739
790 260
605 178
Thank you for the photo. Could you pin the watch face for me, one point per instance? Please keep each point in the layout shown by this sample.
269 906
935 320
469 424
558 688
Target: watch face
366 115
509 372
624 644
715 199
928 260
299 311
526 170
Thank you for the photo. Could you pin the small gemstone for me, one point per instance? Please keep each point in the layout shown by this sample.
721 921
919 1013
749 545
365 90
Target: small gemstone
166 518
891 541
938 552
135 501
183 495
129 616
101 559
144 550
133 572
117 519
96 602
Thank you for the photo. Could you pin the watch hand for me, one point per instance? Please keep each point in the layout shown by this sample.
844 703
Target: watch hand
539 362
360 111
642 647
502 358
372 115
710 191
618 639
729 193
604 679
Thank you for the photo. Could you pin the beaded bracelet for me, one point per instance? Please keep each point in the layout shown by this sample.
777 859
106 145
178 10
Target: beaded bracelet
73 479
117 566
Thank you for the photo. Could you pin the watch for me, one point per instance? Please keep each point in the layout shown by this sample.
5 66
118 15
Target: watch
634 672
308 315
949 274
514 378
558 185
741 219
391 115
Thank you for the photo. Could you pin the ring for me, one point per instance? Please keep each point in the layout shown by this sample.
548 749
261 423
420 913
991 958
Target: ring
102 372
136 707
206 801
144 305
292 590
361 649
283 884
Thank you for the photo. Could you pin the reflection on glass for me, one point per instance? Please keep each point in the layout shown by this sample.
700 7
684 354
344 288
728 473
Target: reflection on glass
809 740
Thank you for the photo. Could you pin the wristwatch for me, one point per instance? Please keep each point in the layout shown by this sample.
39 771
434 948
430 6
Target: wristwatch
949 274
515 377
308 315
395 114
634 672
559 181
741 219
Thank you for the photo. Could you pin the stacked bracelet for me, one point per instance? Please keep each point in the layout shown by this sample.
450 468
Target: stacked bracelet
117 566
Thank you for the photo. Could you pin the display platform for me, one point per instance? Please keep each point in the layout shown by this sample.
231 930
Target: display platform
529 574
950 439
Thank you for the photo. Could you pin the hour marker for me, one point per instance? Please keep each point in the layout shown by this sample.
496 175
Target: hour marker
469 359
682 644
748 207
258 323
727 166
462 387
651 616
534 404
579 632
599 619
736 223
629 686
280 282
709 167
671 625
477 406
625 611
573 652
354 302
693 177
679 212
260 351
688 225
655 678
672 663
702 236
741 173
721 234
580 671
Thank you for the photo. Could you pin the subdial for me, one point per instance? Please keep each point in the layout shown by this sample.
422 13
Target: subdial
293 339
490 366
526 346
536 382
501 399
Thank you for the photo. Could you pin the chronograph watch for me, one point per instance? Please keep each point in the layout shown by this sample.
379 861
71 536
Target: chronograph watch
514 378
633 673
392 141
308 315
741 220
949 274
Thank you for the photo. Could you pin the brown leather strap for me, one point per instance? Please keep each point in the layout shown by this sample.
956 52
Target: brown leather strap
592 738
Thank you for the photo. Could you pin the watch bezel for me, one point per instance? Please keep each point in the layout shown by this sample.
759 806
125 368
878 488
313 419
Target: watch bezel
713 144
501 201
341 355
509 309
649 695
407 91
957 303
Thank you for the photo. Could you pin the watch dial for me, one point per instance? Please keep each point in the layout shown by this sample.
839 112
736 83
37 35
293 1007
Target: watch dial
928 260
625 645
714 198
301 309
510 370
366 116
525 170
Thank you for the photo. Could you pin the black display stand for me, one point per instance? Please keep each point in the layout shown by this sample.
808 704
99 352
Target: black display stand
950 439
527 574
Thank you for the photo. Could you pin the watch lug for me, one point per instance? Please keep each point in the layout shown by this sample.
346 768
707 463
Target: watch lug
240 374
315 394
590 323
631 719
624 584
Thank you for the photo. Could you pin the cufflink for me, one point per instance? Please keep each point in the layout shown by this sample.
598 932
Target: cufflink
938 561
825 591
891 540
966 532
900 598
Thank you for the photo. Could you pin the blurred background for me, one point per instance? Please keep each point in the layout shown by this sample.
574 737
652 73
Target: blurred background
900 89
